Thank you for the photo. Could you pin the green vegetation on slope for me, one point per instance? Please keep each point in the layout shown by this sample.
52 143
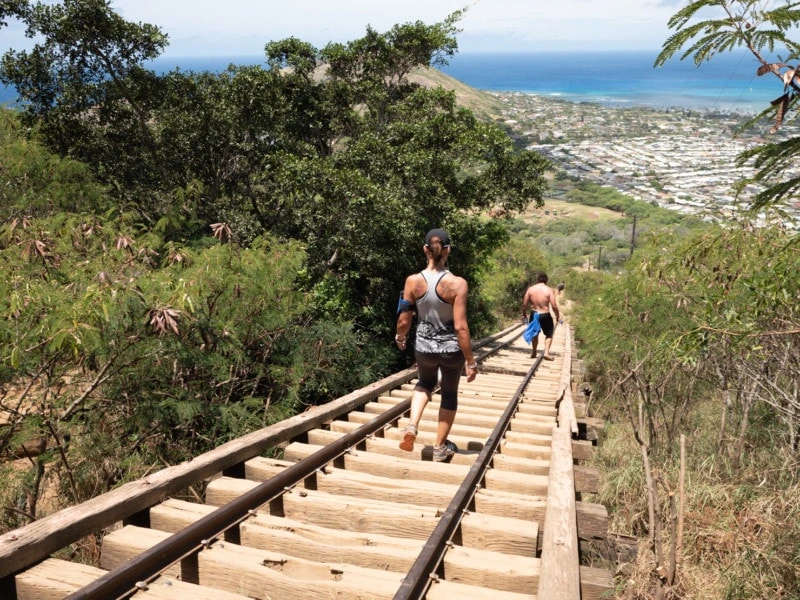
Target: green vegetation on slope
697 339
122 349
356 165
592 226
191 256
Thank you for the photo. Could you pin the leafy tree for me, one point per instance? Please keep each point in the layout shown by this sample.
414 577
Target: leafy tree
333 147
740 289
11 8
37 183
747 23
101 342
122 348
84 87
720 304
513 268
86 58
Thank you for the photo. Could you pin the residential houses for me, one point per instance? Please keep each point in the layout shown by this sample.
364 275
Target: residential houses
684 160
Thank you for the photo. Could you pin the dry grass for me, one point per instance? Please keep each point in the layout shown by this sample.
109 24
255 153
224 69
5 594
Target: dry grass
742 527
568 210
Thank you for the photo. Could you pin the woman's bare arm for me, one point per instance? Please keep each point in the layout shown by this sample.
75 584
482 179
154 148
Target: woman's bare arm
461 291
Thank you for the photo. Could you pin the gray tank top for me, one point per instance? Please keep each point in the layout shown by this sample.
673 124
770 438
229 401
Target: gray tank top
436 332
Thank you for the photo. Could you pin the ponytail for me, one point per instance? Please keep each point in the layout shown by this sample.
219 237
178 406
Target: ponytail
436 251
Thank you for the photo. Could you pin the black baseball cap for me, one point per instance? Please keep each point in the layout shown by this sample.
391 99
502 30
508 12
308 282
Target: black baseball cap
438 233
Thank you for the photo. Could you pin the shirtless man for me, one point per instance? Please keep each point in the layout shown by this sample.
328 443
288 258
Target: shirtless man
542 298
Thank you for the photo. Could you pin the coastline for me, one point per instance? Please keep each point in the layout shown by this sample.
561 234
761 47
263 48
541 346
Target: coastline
679 158
618 79
622 79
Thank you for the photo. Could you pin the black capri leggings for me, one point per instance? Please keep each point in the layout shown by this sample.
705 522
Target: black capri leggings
451 365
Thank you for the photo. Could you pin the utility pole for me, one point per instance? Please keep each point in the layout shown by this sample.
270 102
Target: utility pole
633 235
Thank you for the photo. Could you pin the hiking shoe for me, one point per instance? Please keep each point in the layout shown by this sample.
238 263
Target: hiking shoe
444 452
409 435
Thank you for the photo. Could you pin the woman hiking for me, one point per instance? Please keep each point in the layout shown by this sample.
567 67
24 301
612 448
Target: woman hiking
442 340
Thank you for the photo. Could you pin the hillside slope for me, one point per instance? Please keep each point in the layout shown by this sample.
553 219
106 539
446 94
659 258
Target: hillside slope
485 106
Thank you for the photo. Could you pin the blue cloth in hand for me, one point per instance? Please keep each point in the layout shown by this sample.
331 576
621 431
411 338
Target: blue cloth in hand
533 329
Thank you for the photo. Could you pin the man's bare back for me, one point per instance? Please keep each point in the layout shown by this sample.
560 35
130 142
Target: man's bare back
541 297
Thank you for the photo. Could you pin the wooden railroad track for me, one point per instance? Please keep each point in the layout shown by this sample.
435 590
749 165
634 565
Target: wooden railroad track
345 513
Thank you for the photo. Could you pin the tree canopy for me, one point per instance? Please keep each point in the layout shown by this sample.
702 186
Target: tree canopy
189 256
334 147
710 27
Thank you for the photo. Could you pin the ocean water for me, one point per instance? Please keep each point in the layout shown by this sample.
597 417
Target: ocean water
726 83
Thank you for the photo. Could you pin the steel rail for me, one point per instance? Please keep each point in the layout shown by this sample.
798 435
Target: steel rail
503 344
125 579
423 571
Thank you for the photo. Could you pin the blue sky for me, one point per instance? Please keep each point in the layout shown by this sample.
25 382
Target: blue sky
242 27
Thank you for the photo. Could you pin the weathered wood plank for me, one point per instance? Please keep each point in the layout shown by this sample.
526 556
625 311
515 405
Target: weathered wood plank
560 578
566 410
470 424
500 534
592 521
389 446
476 399
592 429
596 584
471 566
426 437
263 574
365 486
400 468
592 518
524 423
23 547
582 450
587 479
55 579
